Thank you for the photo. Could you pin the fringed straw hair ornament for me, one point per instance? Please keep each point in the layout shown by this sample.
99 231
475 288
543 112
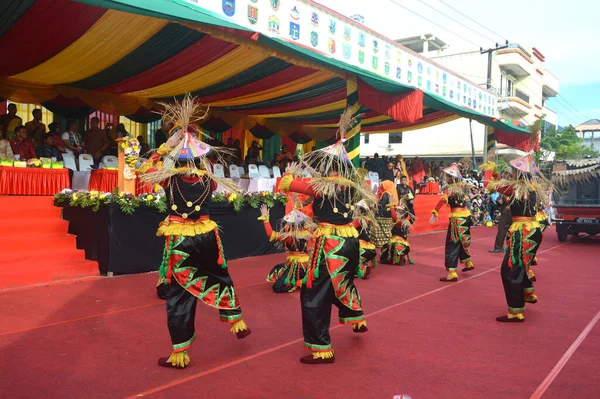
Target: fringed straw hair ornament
295 225
186 153
336 175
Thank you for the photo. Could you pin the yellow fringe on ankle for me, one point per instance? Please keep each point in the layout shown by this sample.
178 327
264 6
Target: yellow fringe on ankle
452 275
358 325
179 359
519 316
469 264
238 326
530 297
323 355
530 273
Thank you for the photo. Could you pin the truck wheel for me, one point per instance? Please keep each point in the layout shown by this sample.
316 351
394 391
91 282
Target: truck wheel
561 232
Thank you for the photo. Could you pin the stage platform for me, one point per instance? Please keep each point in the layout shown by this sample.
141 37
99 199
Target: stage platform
100 338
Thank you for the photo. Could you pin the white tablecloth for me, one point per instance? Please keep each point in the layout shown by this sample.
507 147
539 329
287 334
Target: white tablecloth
253 185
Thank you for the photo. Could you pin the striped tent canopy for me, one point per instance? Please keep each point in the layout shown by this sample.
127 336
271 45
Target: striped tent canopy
122 57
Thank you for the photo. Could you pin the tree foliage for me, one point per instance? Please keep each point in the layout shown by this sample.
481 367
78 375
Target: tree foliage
566 144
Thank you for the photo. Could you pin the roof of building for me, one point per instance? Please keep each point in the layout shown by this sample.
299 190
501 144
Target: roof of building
591 125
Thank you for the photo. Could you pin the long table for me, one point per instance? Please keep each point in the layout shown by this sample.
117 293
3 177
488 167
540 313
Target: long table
125 244
32 181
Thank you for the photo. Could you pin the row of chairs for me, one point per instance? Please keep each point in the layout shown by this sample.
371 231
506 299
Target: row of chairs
86 162
254 172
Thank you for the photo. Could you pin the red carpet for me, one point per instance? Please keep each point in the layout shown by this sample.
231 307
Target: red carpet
101 338
36 247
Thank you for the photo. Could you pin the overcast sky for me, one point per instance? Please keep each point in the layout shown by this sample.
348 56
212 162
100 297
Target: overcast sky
565 31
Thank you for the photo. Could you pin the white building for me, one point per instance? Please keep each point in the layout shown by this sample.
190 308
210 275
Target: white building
518 75
590 133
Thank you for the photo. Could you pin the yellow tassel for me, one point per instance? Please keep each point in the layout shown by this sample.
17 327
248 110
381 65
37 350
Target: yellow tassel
530 297
323 355
399 240
264 218
460 214
358 325
188 229
179 359
525 225
301 258
366 245
238 326
339 231
452 275
530 273
516 315
469 264
434 212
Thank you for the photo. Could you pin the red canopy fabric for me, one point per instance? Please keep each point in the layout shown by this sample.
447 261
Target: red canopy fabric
406 107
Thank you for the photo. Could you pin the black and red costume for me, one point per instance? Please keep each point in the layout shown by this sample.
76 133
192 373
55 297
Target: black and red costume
396 251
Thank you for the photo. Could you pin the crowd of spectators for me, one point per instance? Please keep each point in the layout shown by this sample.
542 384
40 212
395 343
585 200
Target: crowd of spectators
33 139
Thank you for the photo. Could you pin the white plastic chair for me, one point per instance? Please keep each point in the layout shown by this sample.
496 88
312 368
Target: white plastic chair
139 163
69 161
110 161
242 170
253 172
234 172
264 172
81 180
374 177
209 167
276 171
219 170
85 162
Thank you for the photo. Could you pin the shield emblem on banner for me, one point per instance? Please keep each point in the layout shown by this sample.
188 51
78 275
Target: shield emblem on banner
275 4
388 52
444 78
398 73
474 103
386 68
429 85
314 18
229 7
409 76
347 33
437 88
362 38
420 81
451 94
274 24
375 62
444 91
346 51
331 46
314 38
469 102
252 14
361 56
331 26
375 46
294 31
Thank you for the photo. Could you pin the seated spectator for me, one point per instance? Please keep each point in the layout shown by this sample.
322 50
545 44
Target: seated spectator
72 140
283 158
5 148
21 147
48 149
487 218
144 147
253 154
121 131
55 130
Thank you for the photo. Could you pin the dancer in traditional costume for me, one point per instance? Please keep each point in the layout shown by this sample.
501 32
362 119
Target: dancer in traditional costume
295 234
336 252
396 251
388 199
368 251
458 238
194 264
525 189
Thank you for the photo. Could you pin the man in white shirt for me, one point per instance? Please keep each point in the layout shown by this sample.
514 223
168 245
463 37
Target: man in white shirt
72 139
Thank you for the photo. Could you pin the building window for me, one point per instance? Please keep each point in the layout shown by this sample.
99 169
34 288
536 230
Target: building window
506 86
366 136
395 138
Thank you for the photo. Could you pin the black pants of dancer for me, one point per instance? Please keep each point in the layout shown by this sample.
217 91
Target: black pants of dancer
459 249
203 278
522 248
503 225
316 301
181 315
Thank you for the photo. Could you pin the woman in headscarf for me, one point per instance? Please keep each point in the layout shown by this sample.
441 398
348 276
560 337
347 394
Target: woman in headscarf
194 265
388 199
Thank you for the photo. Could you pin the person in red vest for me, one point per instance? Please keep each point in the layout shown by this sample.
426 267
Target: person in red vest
21 147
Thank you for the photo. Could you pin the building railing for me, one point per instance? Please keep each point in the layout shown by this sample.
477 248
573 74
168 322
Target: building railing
522 96
514 93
